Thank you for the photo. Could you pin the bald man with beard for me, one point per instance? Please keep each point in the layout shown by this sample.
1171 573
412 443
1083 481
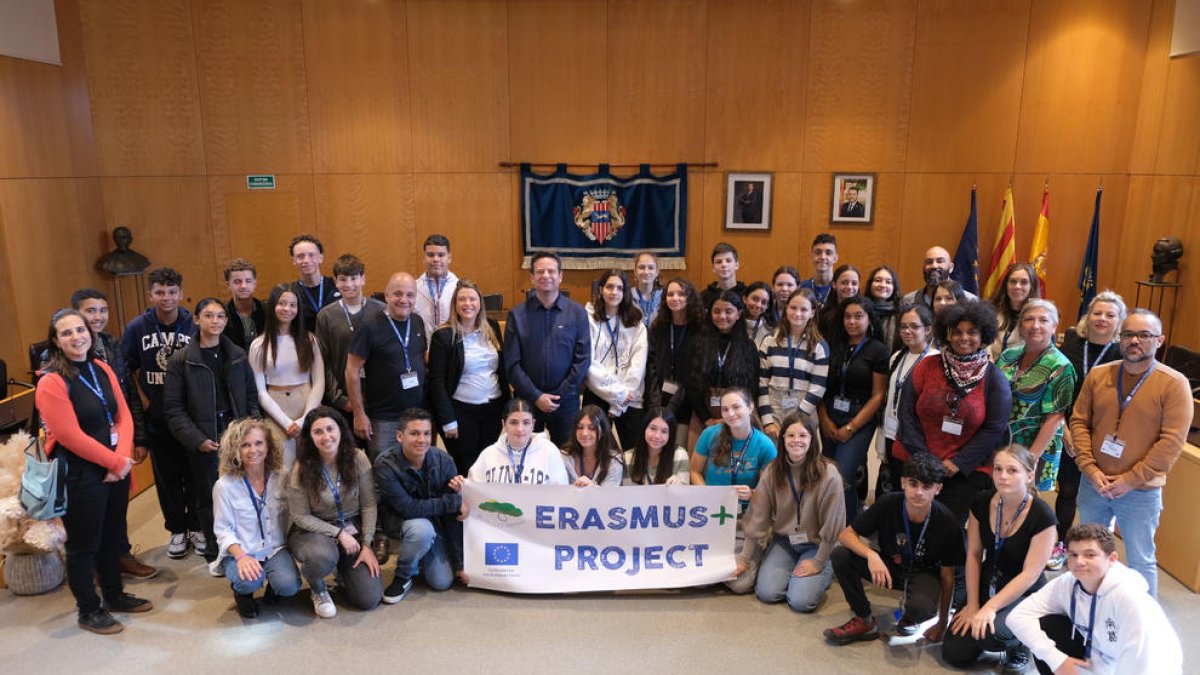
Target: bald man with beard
937 268
385 366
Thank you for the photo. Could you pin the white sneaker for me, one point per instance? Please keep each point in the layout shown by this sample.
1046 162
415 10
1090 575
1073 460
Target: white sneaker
177 546
214 569
323 605
197 541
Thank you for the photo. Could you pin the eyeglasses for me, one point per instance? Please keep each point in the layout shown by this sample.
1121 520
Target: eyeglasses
912 327
1143 335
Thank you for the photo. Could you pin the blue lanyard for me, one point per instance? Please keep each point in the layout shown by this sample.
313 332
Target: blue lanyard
1087 640
94 387
797 495
1123 400
722 356
337 495
583 464
512 461
791 364
614 333
436 297
846 364
1007 334
318 302
819 294
1001 535
682 336
911 547
403 340
349 319
1088 364
646 305
735 466
903 379
260 505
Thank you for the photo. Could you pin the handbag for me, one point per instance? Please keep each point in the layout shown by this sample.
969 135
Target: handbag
44 484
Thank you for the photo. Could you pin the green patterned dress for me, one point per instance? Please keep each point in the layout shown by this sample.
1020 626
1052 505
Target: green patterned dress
1046 388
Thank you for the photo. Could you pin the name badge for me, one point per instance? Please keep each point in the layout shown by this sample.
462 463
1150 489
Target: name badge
350 529
952 426
670 387
1112 446
841 404
362 373
790 403
409 380
890 426
798 538
112 437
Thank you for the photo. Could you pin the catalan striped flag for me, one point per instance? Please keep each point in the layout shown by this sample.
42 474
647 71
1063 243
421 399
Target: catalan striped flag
1004 250
1040 248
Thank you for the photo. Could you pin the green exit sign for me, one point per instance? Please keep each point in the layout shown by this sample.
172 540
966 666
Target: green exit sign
263 182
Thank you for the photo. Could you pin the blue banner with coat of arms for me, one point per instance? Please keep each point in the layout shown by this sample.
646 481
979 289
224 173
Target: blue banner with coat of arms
599 220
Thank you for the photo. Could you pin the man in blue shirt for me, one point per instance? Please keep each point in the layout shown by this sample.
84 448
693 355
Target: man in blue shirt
547 348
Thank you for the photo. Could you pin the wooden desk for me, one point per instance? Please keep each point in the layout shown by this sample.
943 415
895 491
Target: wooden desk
1178 537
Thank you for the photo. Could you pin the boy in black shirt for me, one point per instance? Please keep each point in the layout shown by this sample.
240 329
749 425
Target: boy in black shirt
920 542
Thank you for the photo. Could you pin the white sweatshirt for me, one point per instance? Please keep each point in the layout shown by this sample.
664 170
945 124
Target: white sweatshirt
621 378
1131 634
542 464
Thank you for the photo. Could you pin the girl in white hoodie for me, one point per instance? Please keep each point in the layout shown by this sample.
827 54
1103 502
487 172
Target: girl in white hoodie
617 374
519 456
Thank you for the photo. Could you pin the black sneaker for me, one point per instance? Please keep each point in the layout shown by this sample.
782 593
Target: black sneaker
1016 660
905 627
269 596
130 604
397 590
247 608
101 622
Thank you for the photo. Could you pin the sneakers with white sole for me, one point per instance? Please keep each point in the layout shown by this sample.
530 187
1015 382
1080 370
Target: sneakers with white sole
323 605
177 545
197 541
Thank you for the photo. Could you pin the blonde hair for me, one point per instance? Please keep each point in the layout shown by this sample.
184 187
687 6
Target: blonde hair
1024 457
235 435
1111 298
481 322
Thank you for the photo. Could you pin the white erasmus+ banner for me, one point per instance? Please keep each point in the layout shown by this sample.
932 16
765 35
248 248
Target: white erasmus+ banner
561 539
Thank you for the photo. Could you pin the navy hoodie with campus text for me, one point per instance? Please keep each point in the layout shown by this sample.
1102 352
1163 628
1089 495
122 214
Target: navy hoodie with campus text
147 345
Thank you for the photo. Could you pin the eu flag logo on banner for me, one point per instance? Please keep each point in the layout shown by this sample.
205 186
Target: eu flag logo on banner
500 554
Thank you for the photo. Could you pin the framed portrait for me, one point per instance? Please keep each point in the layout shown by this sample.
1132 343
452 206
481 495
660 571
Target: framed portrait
748 201
853 198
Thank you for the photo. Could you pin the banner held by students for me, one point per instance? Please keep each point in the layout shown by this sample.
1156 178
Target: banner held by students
563 539
599 220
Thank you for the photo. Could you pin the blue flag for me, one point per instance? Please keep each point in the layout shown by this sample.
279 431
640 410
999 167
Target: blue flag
599 220
501 554
1091 260
966 258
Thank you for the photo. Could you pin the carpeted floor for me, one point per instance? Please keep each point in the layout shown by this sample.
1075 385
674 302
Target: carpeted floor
194 628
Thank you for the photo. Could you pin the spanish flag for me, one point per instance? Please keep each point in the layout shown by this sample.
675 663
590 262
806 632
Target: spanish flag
1004 250
1041 240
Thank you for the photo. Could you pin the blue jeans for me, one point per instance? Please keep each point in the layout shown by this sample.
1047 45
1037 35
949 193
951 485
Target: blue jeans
775 580
1137 515
383 436
849 456
422 549
279 569
319 554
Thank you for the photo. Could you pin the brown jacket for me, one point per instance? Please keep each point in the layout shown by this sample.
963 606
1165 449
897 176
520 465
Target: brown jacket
1154 426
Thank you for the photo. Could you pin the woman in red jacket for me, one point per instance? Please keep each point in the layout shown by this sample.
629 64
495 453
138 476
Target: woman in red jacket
80 401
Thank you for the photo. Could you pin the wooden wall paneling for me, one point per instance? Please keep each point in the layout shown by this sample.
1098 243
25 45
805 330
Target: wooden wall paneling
759 252
1083 72
966 90
259 224
143 83
12 349
1158 206
935 211
76 91
656 93
47 219
1152 96
253 91
458 60
755 88
1187 325
33 113
169 217
559 111
859 85
370 216
1179 136
356 60
478 212
865 246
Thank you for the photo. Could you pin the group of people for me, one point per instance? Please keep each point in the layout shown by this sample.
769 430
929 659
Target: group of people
294 437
